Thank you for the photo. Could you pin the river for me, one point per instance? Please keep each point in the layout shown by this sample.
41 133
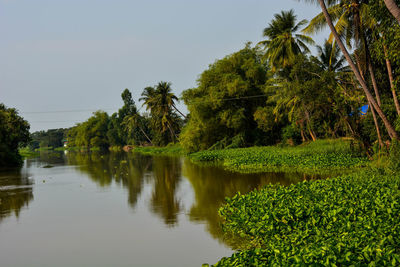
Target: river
118 209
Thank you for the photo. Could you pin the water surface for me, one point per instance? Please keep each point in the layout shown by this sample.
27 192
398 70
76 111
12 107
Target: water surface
119 209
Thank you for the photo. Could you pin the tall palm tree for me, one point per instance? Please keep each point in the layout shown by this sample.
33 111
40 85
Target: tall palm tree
160 100
392 133
389 127
352 22
283 43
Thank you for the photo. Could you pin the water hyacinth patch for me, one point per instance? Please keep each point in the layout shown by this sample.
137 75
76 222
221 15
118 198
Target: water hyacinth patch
349 220
323 156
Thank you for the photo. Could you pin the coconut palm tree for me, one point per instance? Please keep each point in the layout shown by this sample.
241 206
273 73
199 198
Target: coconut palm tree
160 101
135 120
283 43
389 127
330 58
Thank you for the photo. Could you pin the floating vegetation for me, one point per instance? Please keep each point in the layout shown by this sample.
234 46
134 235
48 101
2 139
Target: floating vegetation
352 219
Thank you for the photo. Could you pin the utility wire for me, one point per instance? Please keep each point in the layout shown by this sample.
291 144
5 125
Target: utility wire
191 103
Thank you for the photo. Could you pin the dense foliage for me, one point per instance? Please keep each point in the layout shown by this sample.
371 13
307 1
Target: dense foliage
352 219
222 107
52 138
321 156
14 132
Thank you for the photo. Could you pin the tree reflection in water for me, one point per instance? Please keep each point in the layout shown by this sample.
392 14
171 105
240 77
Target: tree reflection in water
167 176
15 193
210 184
127 169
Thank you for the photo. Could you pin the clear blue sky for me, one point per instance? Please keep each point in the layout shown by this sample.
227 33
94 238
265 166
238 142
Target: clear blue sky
66 55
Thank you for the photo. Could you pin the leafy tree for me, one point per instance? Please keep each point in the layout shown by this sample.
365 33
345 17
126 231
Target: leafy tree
14 133
117 134
91 133
223 105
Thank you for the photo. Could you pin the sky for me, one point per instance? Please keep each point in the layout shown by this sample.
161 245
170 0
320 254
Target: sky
61 60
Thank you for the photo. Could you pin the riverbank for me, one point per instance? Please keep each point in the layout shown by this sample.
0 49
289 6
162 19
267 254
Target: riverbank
320 157
351 218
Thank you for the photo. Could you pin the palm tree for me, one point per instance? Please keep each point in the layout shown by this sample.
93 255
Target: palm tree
393 9
283 43
352 22
389 127
330 59
160 100
132 121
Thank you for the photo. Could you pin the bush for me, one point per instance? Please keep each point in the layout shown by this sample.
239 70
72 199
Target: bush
394 156
291 132
349 220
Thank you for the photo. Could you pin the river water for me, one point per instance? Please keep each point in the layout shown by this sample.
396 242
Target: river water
118 209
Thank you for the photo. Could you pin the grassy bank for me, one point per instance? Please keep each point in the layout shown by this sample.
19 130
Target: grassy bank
170 150
347 220
323 156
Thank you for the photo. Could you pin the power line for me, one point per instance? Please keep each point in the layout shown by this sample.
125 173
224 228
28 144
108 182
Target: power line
93 110
65 111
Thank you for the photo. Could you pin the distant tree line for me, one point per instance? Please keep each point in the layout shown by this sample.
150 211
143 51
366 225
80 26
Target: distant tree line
159 125
276 91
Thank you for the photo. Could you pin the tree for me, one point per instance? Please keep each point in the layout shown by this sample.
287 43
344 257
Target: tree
389 127
91 133
393 9
223 104
283 43
14 133
330 59
161 101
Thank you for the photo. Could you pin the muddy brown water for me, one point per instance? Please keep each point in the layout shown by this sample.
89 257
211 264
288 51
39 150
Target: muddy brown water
118 209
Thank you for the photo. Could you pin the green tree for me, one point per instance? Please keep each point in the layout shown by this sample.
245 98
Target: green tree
91 133
14 133
283 43
222 106
160 101
389 127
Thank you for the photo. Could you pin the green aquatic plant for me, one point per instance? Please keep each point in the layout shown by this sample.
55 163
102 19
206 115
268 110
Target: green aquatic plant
352 219
316 157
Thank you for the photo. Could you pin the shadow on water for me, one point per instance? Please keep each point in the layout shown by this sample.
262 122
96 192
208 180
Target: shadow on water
15 192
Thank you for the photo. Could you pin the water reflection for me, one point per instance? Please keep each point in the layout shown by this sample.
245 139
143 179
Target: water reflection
124 168
210 184
167 176
15 192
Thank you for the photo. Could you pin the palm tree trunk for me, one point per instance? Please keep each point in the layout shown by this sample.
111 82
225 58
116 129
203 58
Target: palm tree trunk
178 111
371 70
173 135
143 132
378 132
393 8
389 127
374 84
390 73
